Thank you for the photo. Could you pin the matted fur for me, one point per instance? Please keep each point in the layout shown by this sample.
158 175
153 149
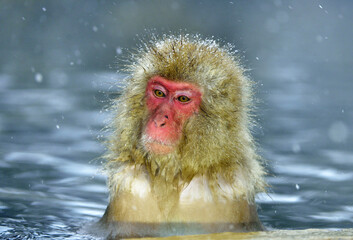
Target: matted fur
216 143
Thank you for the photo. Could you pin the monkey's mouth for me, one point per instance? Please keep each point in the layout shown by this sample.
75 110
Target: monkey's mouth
157 146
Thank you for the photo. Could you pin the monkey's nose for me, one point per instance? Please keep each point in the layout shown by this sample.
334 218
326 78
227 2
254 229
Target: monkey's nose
161 121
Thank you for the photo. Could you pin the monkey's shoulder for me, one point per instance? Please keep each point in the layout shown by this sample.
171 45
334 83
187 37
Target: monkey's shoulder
131 179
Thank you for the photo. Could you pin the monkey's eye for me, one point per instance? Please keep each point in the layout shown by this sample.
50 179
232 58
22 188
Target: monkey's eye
159 93
183 99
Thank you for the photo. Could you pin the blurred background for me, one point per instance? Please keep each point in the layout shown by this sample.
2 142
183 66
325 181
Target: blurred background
58 71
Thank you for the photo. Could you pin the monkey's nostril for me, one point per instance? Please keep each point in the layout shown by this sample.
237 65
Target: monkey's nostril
166 116
162 124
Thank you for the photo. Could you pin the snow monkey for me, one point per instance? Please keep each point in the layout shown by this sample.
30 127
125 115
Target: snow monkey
181 158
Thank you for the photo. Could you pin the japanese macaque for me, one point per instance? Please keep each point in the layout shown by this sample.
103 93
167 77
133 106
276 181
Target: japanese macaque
181 158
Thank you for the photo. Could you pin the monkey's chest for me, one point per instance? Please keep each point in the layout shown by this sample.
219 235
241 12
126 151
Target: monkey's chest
136 202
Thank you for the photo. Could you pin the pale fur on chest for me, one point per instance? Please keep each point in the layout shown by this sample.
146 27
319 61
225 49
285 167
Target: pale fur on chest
137 182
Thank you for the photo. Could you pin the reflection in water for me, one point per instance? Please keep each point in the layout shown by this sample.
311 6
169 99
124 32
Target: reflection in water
270 235
135 229
50 179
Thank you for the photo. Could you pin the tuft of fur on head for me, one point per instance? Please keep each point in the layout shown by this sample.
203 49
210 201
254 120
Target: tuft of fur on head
216 142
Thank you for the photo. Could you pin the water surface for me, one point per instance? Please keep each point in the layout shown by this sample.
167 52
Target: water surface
51 184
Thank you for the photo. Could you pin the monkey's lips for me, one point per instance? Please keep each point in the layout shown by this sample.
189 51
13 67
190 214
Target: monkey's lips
157 146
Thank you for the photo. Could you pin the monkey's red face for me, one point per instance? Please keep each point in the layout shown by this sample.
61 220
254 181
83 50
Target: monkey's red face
169 104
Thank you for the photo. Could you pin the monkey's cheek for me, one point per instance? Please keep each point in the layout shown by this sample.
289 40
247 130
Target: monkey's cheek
158 148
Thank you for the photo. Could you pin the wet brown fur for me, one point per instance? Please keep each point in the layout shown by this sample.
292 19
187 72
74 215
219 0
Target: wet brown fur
216 142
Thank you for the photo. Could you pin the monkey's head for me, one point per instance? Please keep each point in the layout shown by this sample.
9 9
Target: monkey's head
186 107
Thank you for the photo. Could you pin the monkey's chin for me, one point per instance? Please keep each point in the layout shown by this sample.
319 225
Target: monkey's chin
159 148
